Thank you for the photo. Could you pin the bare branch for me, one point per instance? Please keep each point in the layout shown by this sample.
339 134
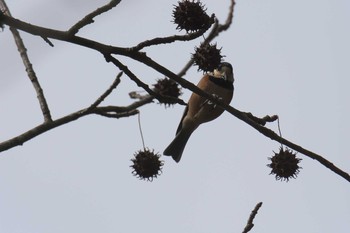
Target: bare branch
250 223
171 39
88 19
106 93
62 35
47 41
133 77
29 67
119 114
108 111
262 121
136 95
229 18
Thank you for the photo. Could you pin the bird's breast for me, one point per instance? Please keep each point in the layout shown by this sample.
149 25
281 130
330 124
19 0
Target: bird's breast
220 82
201 110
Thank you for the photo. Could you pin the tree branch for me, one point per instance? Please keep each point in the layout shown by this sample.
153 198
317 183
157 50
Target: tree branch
262 121
171 39
106 93
62 35
133 77
250 223
29 67
88 19
117 112
229 18
108 111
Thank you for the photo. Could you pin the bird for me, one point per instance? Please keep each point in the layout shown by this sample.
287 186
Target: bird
218 83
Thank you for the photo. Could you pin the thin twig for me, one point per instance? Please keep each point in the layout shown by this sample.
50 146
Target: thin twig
108 111
229 18
117 109
133 77
171 39
88 19
28 66
47 41
140 129
118 115
250 223
279 129
106 93
62 36
262 121
136 95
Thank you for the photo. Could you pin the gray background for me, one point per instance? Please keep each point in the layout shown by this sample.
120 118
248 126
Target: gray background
291 58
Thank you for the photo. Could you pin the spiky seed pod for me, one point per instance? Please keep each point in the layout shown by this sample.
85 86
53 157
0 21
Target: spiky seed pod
168 88
191 16
207 57
146 164
284 164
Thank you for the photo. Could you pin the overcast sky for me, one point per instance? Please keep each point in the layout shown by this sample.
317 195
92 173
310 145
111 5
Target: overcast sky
290 58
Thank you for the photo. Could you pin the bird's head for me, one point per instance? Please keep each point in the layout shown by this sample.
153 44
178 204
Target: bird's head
225 71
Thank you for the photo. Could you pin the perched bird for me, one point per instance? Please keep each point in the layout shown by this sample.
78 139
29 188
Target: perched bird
200 110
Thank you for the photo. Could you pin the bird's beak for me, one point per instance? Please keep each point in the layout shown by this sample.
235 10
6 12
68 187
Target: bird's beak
217 73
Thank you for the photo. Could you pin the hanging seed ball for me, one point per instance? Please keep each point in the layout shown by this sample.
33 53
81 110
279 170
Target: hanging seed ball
168 88
207 57
191 16
146 165
284 164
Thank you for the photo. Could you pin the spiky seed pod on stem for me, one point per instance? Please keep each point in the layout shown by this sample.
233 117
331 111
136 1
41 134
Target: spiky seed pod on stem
191 16
284 164
168 88
207 57
146 164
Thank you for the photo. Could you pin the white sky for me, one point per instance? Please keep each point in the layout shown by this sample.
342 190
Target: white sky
291 58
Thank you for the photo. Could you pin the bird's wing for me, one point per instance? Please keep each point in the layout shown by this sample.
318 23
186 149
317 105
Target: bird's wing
182 118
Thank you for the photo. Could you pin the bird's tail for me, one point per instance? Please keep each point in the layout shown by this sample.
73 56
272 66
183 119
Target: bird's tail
177 146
